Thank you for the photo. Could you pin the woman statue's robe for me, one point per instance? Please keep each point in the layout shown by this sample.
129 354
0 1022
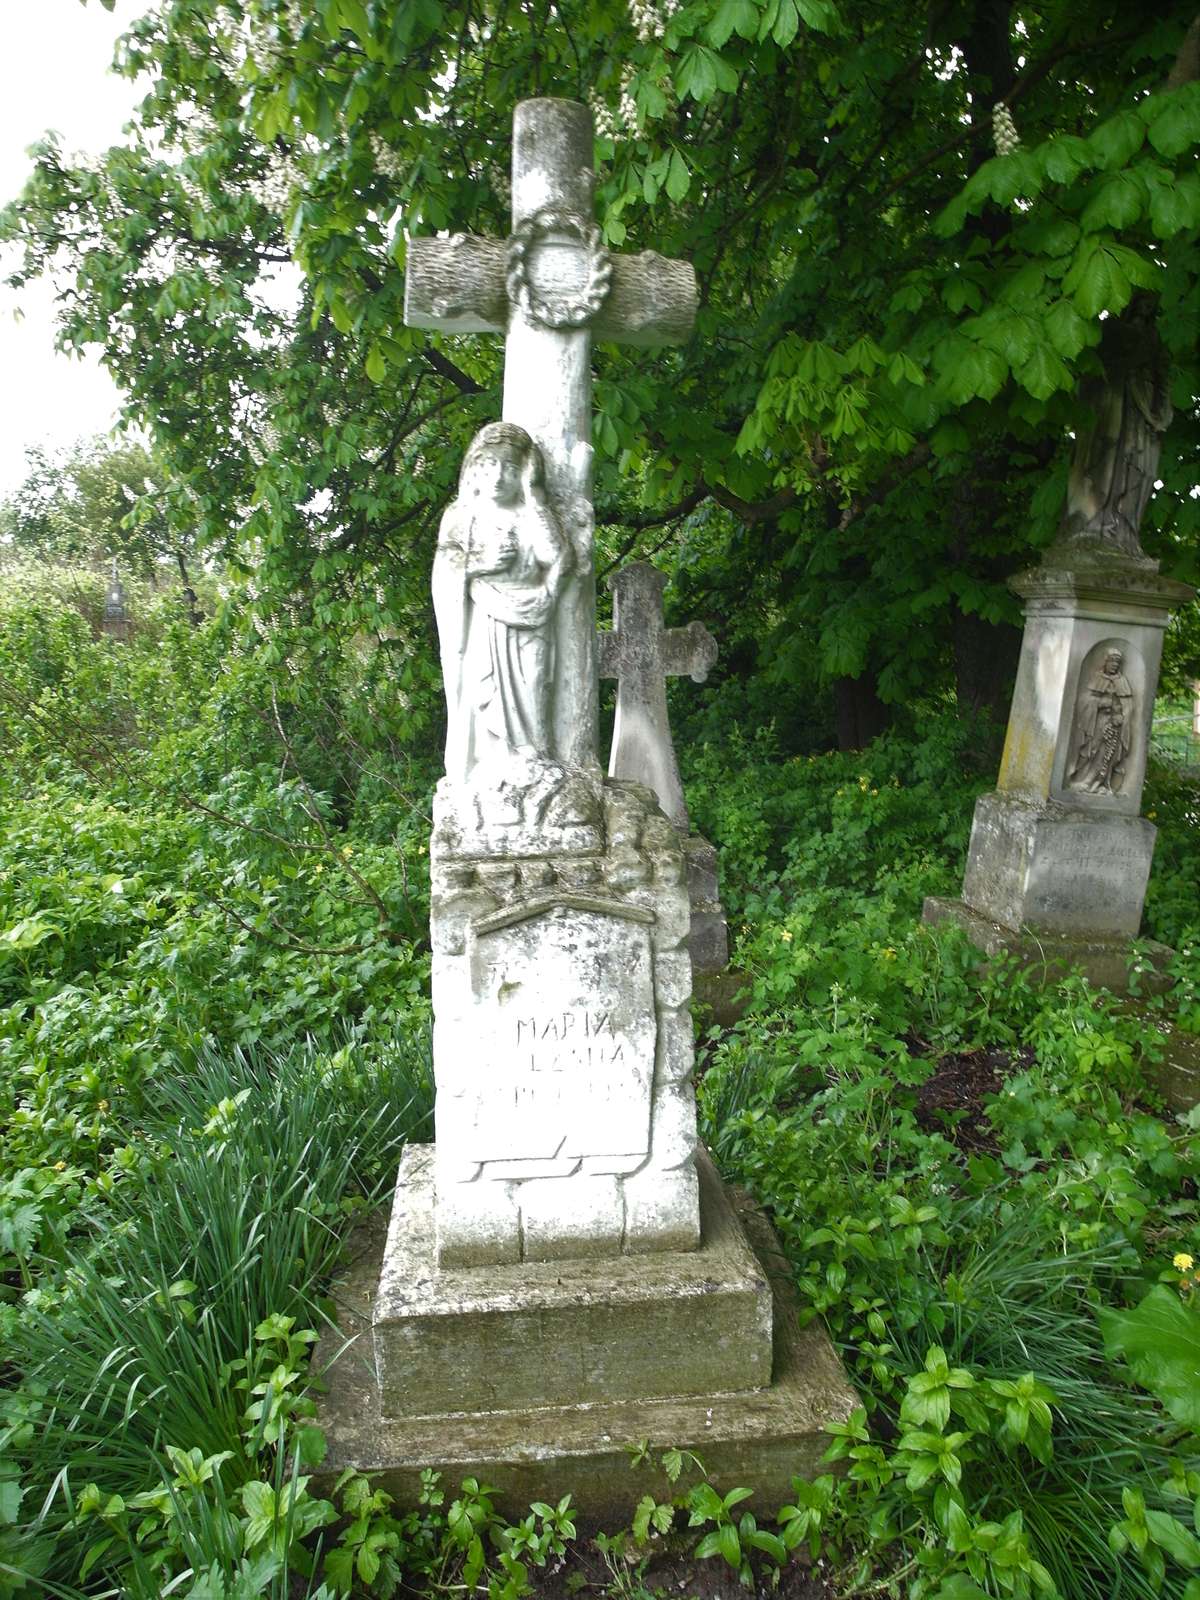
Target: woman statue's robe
496 623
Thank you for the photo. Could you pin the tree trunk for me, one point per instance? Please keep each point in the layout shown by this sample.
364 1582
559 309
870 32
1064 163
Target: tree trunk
195 615
861 714
985 666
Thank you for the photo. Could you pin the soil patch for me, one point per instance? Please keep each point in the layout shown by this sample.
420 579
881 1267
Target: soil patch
952 1100
585 1575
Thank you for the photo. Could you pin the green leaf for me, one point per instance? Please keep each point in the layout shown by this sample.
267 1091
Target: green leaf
10 1500
678 177
733 16
1160 1339
710 1545
1042 374
1117 202
1176 126
730 1545
1066 329
1175 206
1117 139
376 364
1064 158
696 74
1169 1534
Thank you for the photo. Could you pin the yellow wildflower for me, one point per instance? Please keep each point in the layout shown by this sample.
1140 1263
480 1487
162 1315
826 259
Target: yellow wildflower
785 935
103 1105
1182 1262
60 1166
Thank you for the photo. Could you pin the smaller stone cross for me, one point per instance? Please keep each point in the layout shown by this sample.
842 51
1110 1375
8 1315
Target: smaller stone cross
641 654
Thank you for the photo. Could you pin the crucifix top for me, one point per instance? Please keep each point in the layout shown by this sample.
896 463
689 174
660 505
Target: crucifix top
548 289
641 654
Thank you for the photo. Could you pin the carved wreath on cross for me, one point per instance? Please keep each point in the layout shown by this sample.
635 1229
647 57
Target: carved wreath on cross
558 310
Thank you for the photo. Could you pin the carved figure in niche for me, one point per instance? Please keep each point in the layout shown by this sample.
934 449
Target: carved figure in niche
500 567
1103 718
1116 460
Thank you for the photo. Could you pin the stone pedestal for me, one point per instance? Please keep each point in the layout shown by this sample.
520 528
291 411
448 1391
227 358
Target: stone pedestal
566 1119
536 1378
708 938
1059 856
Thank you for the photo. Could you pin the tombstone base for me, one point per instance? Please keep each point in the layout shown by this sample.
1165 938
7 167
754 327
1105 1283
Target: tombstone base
1070 873
542 1333
1105 963
708 937
758 1436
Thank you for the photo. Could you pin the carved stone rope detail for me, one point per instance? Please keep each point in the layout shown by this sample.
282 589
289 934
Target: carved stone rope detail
558 310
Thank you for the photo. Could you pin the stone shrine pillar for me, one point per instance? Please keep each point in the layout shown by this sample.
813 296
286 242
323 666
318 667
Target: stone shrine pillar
1059 855
564 1273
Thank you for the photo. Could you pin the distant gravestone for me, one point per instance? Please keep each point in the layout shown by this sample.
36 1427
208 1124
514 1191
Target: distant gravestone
1059 856
549 1261
640 653
115 621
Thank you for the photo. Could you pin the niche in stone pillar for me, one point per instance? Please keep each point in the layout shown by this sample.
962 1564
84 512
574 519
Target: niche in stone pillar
1106 756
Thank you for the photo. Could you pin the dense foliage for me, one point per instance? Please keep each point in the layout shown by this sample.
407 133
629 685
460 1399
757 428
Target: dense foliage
910 225
901 292
213 1042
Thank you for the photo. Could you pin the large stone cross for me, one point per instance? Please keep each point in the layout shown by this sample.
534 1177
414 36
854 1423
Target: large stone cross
641 654
549 289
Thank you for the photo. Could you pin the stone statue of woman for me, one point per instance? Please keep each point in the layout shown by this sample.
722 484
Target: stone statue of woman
1116 460
1103 731
500 566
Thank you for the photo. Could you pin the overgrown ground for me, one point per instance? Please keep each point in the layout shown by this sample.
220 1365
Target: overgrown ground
213 1045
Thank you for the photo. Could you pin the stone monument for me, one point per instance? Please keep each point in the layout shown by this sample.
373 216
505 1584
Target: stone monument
563 1272
1059 855
640 653
115 621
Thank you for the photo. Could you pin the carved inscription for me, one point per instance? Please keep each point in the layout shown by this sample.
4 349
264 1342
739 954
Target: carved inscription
566 1073
569 1041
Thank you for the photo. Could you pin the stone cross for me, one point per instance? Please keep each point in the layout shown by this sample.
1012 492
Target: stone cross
549 289
641 654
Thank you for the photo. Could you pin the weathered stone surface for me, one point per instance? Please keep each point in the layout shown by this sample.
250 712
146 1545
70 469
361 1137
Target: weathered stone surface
1059 857
760 1437
708 939
1105 963
641 654
1073 617
559 909
1057 870
563 1046
456 285
567 1332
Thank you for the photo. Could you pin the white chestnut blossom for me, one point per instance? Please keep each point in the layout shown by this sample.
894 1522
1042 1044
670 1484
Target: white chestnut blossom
1004 131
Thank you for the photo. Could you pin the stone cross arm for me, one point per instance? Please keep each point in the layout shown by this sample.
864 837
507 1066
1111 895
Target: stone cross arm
458 285
683 652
